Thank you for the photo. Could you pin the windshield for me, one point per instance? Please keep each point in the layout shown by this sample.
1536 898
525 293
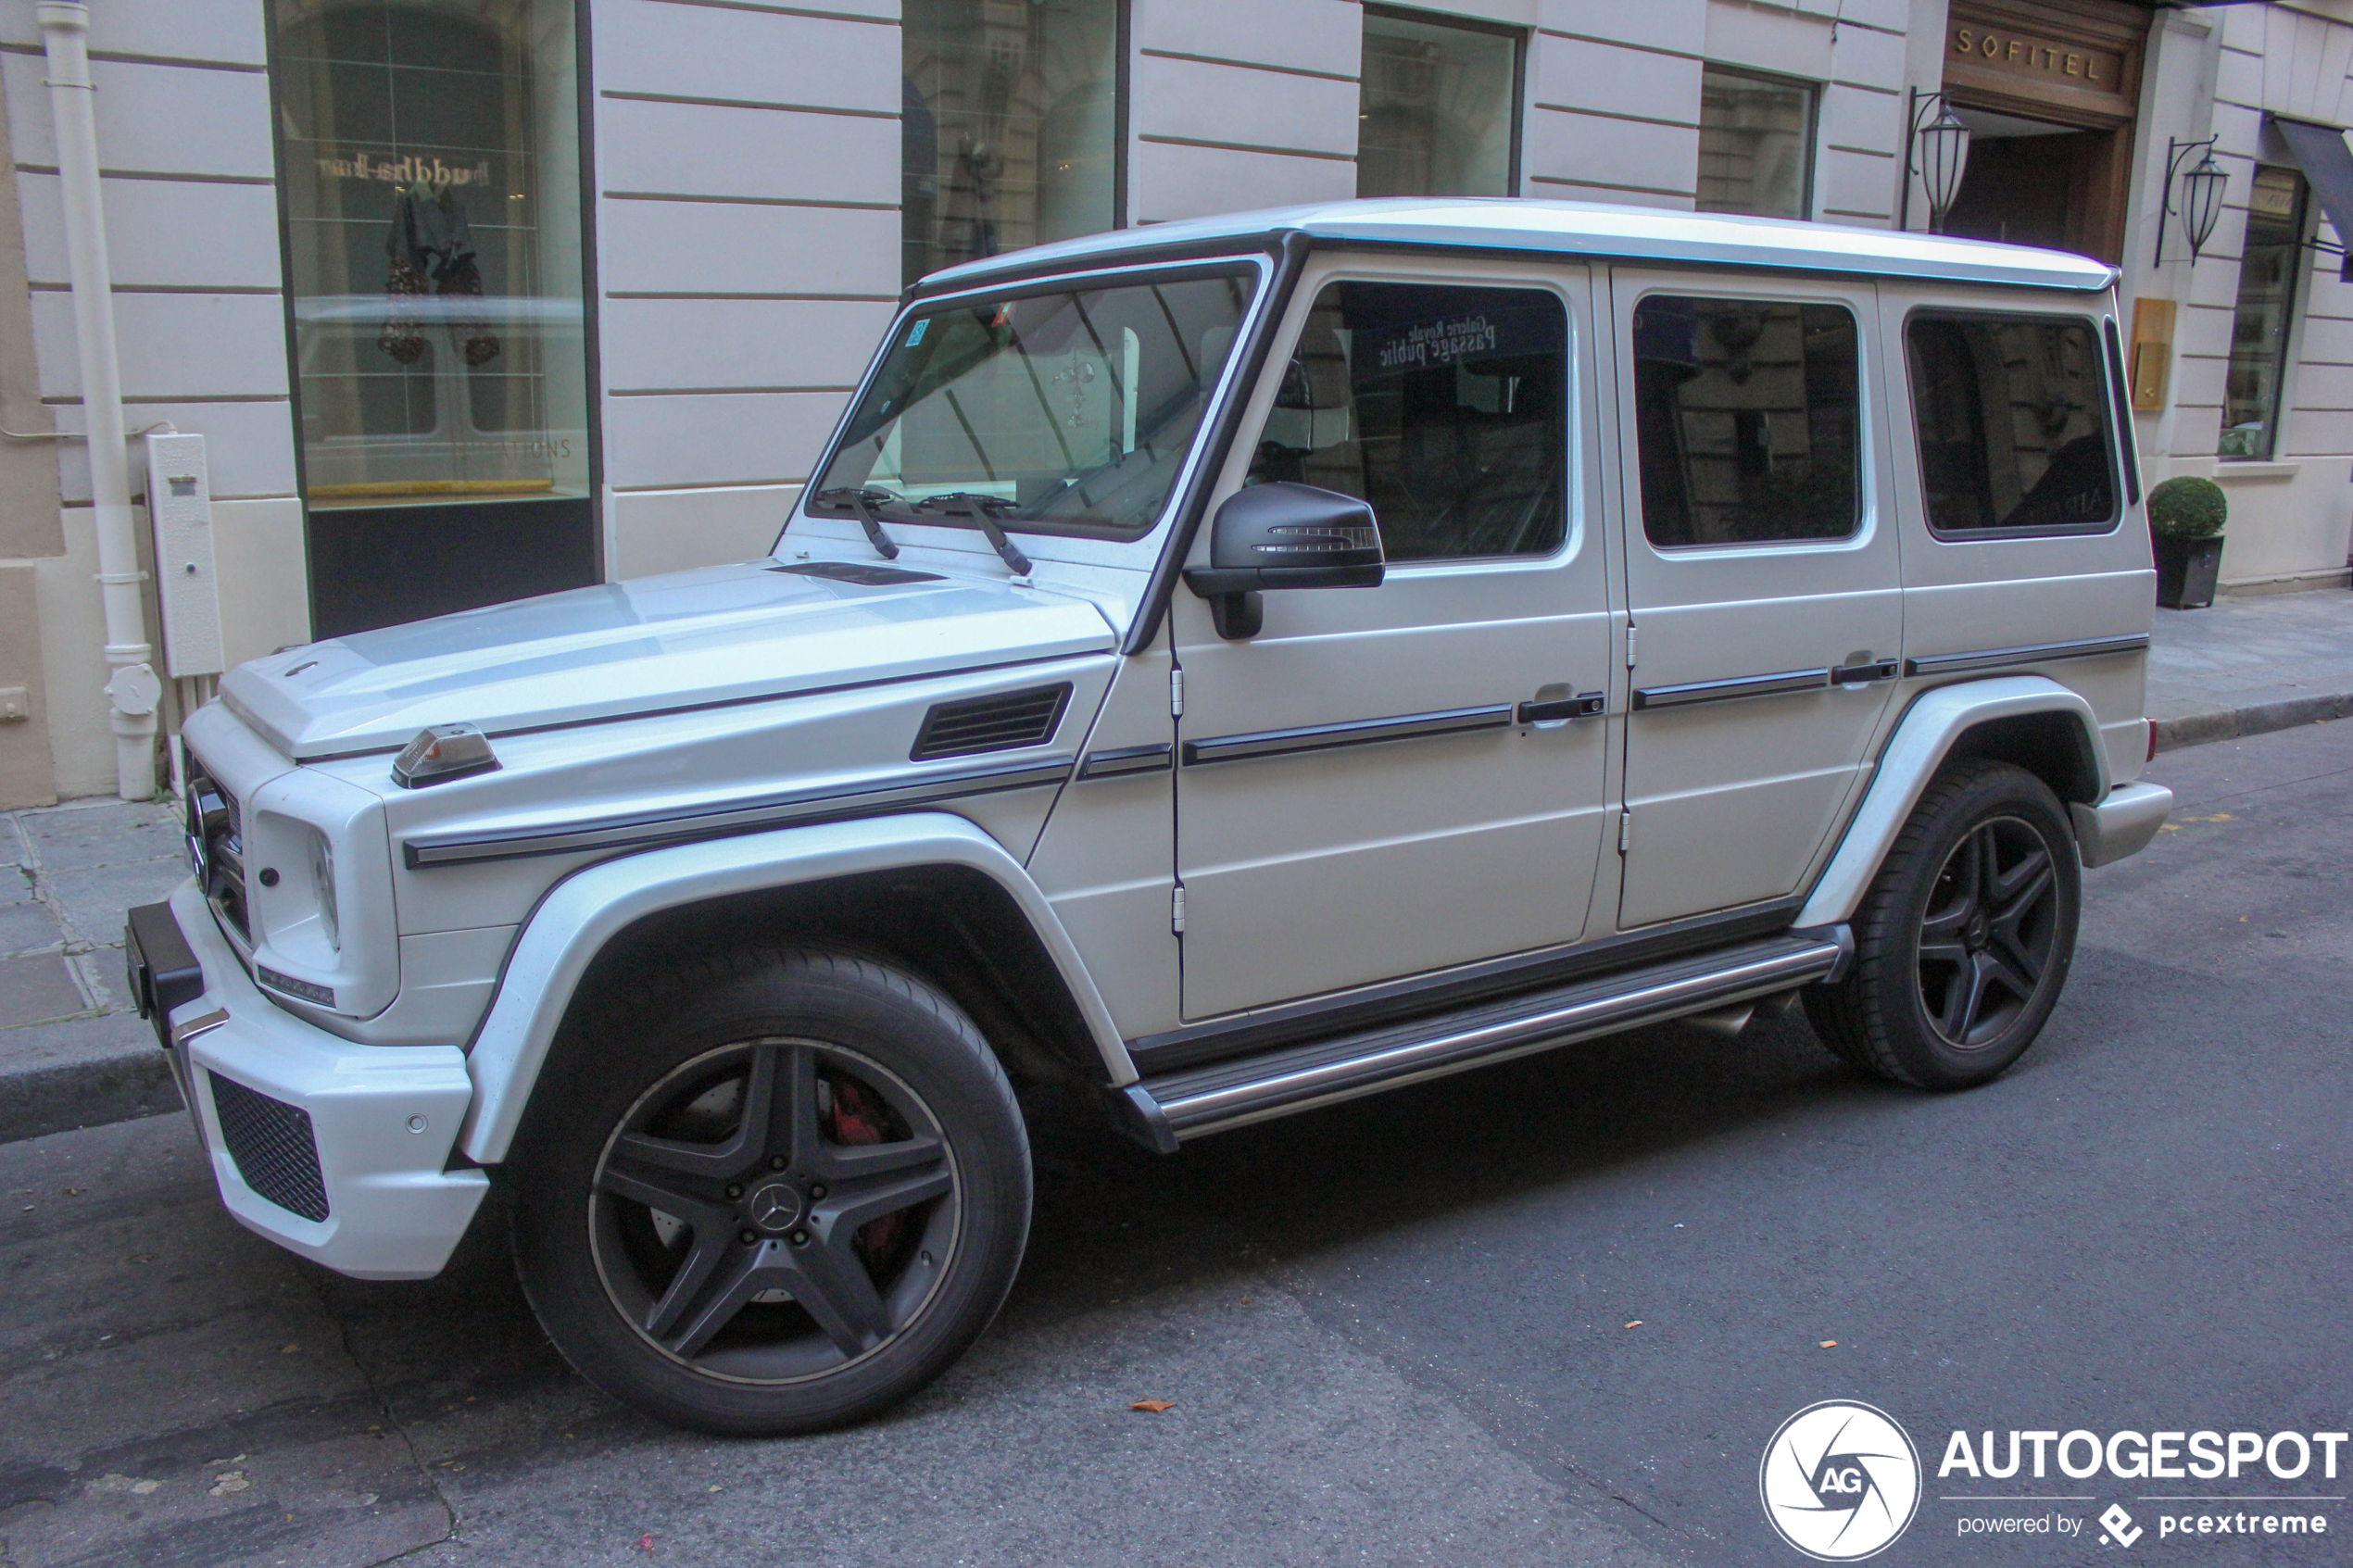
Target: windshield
1063 412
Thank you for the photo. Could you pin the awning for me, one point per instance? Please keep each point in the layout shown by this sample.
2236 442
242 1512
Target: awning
2320 151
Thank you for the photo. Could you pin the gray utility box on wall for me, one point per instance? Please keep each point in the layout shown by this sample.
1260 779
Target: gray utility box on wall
187 588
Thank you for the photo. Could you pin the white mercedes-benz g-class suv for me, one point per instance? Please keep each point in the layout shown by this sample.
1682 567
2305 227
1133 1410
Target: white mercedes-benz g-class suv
1216 670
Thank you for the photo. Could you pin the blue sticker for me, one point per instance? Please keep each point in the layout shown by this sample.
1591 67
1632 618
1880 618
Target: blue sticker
917 336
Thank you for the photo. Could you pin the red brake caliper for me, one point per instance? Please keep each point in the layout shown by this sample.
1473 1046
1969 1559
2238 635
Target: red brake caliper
857 1119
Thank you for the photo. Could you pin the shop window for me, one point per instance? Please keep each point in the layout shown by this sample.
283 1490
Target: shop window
1009 127
1756 145
1438 112
1444 406
431 208
1748 415
2269 264
2013 419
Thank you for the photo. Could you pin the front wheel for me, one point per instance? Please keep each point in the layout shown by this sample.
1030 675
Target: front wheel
1963 943
772 1191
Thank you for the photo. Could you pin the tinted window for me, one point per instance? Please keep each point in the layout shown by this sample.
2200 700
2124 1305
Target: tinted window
1747 415
2013 422
1443 406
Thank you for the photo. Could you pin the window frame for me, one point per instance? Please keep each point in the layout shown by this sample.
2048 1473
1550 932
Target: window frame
1302 310
1518 37
2117 438
1122 135
1866 456
2291 324
1814 91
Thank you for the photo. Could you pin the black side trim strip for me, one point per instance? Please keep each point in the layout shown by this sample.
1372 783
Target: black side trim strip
725 818
1127 761
1324 737
2032 653
1270 1028
1739 685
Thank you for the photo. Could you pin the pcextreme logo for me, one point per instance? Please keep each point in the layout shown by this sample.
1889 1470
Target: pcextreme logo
1840 1481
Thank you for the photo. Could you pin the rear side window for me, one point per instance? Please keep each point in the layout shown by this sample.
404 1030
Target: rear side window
1748 415
1444 406
2014 429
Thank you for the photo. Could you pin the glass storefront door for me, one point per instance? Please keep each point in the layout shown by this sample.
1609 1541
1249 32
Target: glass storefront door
430 161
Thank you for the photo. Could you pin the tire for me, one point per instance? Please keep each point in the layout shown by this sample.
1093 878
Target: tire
769 1191
1963 942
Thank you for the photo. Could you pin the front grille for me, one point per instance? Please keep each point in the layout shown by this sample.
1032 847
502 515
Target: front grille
1001 723
273 1147
217 845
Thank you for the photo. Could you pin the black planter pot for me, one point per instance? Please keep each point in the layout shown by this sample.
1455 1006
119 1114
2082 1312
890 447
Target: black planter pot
2186 571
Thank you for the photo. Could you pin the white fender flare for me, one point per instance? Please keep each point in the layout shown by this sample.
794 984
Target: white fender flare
587 910
1923 736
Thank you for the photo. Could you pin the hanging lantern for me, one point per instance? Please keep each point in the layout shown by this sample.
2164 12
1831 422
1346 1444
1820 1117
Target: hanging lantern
1943 159
2202 203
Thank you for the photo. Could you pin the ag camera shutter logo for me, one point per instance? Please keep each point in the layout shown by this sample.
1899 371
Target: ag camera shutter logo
1840 1481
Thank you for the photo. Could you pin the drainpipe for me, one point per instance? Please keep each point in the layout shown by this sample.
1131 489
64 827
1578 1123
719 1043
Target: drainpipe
132 689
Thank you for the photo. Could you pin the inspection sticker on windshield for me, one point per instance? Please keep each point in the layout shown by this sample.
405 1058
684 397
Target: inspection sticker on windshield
917 336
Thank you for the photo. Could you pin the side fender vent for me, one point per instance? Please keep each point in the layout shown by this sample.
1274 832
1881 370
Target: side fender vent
1002 722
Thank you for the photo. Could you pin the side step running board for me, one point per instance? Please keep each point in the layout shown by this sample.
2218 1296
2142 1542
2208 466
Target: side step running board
1165 1111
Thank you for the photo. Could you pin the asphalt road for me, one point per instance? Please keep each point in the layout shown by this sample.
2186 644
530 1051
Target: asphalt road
1395 1332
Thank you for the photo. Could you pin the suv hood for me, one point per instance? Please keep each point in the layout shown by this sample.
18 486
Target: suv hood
719 634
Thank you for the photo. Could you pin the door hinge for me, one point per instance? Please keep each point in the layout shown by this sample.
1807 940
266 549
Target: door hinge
1625 831
1176 693
1629 644
1177 908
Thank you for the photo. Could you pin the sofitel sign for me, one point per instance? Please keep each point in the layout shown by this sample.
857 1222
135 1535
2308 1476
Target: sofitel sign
2018 54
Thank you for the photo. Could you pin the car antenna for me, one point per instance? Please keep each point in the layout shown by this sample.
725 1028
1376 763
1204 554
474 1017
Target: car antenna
975 506
863 503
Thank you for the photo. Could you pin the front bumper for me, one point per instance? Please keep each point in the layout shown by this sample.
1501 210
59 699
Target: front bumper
349 1142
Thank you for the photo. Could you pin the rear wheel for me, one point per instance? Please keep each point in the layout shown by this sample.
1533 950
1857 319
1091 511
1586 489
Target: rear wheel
1963 943
777 1192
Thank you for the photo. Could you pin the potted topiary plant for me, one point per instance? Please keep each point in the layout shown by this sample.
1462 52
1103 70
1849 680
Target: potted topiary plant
2186 514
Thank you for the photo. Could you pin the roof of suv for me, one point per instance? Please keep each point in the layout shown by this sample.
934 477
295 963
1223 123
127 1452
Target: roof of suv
1564 228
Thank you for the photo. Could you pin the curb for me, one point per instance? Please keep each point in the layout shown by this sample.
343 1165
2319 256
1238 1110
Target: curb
2256 719
61 1097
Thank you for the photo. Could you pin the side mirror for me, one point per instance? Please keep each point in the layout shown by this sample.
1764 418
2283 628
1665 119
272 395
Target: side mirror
1284 536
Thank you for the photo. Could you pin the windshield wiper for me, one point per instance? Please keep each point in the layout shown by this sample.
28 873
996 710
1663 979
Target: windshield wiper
863 503
976 506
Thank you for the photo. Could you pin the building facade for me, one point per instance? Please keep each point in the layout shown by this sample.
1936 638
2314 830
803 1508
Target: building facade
472 299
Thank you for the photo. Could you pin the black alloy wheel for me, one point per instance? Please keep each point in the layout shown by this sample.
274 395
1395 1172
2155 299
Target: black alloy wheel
1991 926
768 1191
774 1209
1963 941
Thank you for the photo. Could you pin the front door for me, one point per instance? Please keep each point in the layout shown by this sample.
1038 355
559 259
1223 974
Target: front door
1761 579
1358 798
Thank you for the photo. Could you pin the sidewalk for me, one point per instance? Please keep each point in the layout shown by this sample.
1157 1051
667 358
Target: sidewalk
2249 665
73 1054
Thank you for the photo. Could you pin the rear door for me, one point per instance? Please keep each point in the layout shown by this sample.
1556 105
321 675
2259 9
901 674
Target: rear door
1761 579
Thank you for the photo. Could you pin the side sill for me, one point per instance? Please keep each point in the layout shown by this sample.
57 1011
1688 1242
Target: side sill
1178 1107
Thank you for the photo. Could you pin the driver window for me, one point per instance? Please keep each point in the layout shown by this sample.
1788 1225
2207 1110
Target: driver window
1443 406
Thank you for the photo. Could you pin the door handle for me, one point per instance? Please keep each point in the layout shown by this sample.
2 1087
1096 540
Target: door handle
1584 705
1877 670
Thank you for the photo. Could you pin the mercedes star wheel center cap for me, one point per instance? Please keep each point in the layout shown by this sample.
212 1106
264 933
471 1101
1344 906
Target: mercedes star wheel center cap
774 1208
